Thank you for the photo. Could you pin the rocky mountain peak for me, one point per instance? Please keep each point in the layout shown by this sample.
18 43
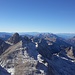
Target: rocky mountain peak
14 39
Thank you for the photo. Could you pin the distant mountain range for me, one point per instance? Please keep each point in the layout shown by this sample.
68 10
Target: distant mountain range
39 54
66 35
6 35
28 33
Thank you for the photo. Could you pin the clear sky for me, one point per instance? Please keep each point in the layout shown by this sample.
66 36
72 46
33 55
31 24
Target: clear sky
56 16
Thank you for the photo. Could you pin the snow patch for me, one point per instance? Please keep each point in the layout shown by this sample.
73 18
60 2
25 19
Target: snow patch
39 58
11 70
36 44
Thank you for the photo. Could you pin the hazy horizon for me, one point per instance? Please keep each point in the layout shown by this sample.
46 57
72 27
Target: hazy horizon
38 32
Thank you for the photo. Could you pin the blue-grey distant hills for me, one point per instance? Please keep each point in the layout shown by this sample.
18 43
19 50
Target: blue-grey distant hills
63 35
66 35
5 35
28 33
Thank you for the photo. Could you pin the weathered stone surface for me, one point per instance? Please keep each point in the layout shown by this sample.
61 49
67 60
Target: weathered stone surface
14 39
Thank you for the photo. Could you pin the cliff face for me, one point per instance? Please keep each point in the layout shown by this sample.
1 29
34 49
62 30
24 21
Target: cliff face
3 46
61 66
14 39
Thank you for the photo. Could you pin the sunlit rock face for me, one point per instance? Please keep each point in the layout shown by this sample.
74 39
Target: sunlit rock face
23 59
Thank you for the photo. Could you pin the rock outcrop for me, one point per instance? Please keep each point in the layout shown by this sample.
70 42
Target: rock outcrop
3 46
14 39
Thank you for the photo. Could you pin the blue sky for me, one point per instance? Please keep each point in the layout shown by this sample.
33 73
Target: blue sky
56 16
